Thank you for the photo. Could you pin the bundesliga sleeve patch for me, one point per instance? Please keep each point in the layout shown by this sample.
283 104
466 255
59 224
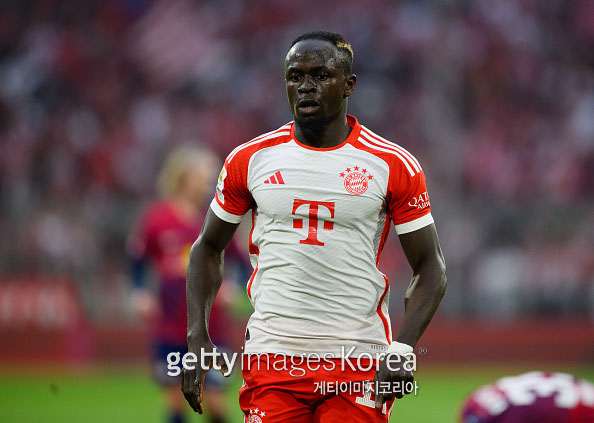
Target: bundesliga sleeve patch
221 185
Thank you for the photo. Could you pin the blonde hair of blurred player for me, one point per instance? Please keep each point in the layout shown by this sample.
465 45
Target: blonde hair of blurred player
187 175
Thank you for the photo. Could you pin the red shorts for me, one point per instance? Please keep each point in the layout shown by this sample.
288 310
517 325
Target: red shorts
283 389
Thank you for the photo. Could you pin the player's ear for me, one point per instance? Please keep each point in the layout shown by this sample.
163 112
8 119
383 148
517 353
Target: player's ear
349 85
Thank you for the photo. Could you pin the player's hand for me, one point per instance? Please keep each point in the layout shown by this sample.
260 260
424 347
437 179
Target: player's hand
398 378
192 381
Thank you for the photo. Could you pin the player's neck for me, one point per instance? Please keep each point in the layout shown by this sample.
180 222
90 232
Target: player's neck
323 134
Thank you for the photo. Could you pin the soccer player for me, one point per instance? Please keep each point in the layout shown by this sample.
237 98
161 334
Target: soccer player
322 191
534 397
164 236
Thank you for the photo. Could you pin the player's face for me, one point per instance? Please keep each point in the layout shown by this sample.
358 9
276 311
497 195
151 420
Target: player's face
199 179
316 81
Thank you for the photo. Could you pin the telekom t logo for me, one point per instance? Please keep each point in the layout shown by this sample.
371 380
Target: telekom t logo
314 206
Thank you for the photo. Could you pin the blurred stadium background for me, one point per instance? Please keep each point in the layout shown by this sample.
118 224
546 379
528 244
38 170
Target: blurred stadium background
495 98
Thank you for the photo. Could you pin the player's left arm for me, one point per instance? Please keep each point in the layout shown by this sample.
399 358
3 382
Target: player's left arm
410 210
428 283
423 296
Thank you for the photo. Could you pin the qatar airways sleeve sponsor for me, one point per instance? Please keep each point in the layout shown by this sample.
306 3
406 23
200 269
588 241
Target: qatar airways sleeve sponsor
420 202
410 208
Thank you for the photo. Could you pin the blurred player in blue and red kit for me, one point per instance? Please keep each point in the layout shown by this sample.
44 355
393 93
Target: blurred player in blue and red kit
165 233
534 397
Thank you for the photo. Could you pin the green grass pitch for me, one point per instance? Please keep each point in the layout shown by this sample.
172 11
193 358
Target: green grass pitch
127 395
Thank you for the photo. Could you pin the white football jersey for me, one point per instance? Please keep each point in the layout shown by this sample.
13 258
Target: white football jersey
320 218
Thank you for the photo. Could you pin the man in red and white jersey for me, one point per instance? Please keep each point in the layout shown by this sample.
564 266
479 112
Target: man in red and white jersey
322 192
534 397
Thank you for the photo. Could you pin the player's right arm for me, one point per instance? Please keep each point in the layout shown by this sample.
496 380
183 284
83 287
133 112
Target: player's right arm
203 280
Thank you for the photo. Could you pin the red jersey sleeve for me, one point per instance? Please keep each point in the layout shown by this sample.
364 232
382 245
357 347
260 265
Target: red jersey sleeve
408 200
233 198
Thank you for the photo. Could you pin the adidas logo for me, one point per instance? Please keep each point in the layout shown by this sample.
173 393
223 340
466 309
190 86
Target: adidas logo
275 179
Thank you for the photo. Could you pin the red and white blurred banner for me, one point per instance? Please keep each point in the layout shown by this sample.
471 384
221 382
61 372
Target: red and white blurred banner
44 303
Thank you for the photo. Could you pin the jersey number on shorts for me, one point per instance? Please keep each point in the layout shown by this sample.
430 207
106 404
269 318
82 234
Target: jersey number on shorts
366 398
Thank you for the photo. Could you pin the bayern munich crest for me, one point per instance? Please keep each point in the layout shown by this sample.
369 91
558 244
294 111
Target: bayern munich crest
356 180
254 417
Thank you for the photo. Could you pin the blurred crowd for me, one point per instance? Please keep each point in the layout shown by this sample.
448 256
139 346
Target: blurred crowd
495 98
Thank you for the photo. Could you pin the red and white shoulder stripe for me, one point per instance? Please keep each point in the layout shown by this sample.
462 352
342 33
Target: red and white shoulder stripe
375 142
284 130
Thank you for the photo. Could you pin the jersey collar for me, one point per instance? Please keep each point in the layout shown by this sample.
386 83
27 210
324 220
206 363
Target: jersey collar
351 139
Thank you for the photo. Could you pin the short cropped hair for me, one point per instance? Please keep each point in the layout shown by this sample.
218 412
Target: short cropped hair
344 47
